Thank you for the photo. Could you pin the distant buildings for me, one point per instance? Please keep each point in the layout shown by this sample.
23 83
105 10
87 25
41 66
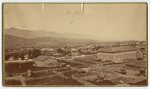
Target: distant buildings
56 55
47 49
74 53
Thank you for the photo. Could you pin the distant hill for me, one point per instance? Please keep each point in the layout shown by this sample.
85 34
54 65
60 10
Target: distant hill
30 34
16 38
11 42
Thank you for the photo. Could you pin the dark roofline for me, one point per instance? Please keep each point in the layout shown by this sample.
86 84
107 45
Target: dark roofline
137 63
115 51
140 65
42 59
45 59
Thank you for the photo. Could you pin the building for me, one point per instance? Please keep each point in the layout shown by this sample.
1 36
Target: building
57 55
139 55
137 65
116 54
26 56
74 53
47 49
11 58
73 49
46 61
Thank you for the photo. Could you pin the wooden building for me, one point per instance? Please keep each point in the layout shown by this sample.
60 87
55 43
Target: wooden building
46 61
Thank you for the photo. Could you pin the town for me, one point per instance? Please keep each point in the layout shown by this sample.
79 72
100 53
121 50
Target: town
89 64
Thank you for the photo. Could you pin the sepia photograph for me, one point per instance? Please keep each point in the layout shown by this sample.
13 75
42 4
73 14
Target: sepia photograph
75 44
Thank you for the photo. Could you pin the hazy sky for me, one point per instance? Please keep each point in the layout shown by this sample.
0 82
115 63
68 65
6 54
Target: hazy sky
106 21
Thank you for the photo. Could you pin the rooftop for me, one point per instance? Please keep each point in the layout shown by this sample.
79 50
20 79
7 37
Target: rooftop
117 49
43 58
142 63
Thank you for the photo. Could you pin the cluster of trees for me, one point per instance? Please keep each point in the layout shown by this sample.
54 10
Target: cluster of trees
20 55
64 52
59 50
34 53
97 48
15 55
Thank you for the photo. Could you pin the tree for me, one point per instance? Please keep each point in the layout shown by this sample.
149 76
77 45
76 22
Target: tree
59 50
22 56
7 56
30 53
80 51
34 53
15 56
67 53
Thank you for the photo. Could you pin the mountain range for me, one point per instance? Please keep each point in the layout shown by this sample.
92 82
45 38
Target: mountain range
17 38
38 33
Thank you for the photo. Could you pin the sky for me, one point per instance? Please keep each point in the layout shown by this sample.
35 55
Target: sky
104 21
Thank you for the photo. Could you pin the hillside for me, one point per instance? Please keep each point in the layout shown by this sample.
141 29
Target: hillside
11 42
30 34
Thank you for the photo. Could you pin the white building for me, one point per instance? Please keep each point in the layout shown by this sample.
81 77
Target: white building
116 56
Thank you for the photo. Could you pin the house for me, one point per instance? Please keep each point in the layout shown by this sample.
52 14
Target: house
66 51
74 53
46 61
116 54
47 49
26 56
73 49
57 55
11 58
139 55
137 65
